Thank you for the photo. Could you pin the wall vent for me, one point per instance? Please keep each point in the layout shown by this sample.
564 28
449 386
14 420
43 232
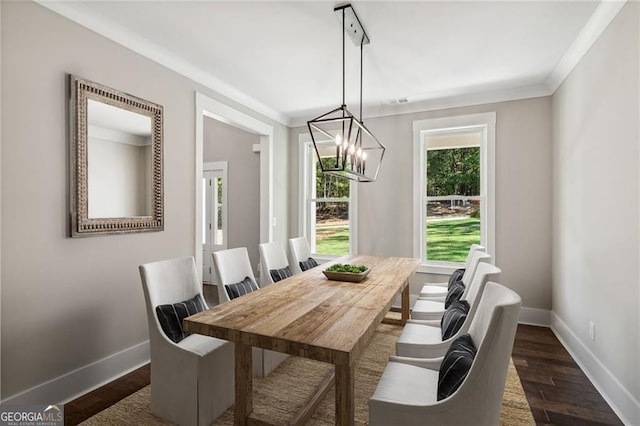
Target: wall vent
396 101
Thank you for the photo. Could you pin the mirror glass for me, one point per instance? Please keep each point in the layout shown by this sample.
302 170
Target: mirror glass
116 161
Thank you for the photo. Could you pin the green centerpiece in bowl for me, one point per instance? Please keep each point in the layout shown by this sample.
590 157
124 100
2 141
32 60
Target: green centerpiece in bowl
346 272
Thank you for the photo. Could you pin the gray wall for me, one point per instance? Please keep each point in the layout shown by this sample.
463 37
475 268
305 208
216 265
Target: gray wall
67 303
596 248
523 194
1 129
223 142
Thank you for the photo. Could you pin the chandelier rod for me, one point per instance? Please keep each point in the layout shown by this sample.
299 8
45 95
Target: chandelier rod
343 66
361 49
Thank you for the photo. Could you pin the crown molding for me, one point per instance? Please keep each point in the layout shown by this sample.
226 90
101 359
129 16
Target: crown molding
604 13
444 102
73 11
602 16
595 26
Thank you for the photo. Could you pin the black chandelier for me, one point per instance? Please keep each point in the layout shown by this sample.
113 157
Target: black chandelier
358 153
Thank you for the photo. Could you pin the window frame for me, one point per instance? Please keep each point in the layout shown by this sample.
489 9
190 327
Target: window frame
306 184
485 122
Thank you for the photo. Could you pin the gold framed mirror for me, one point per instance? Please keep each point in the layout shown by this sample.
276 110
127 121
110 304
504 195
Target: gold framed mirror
116 161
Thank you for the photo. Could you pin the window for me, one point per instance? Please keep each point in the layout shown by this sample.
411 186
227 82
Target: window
327 203
453 189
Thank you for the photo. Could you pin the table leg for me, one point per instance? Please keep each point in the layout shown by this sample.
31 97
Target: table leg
345 395
405 305
244 384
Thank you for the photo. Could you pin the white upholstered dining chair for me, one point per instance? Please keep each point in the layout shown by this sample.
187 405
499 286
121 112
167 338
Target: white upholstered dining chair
419 340
438 291
407 393
433 310
301 259
275 265
235 276
192 381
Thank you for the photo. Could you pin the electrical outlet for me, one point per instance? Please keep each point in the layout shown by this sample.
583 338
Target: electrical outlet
592 330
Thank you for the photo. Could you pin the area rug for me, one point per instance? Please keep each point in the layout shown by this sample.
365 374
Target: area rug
287 388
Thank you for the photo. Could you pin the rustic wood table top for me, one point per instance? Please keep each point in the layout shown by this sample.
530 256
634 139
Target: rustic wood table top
309 316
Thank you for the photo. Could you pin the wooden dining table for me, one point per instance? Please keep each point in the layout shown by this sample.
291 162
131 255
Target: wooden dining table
309 316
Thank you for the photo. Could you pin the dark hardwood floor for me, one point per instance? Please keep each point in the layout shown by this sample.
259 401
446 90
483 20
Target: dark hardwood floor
80 409
558 392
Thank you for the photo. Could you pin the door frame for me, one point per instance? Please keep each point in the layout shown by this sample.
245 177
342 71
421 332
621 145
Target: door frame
208 107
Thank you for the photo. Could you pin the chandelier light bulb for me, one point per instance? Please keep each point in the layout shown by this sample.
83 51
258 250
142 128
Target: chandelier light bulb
338 139
364 155
352 148
359 152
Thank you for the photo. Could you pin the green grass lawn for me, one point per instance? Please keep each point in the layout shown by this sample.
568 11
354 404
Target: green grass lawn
332 240
449 240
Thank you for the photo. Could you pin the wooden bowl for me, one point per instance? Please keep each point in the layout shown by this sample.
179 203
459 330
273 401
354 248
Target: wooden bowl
346 276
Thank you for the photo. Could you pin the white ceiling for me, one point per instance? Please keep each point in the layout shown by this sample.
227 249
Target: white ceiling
283 58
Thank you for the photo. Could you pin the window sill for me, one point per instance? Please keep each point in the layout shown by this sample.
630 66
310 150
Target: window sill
439 268
324 258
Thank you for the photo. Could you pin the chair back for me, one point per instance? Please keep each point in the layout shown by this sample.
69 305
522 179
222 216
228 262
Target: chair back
165 282
474 247
231 267
272 256
300 251
493 331
474 259
484 272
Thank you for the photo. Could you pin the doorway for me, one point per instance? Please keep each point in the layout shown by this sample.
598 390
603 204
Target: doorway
214 215
208 107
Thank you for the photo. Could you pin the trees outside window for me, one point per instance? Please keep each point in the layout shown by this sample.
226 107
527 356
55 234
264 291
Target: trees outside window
331 211
452 221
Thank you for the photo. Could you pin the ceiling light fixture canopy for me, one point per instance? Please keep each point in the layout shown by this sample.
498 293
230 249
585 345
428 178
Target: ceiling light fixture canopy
343 144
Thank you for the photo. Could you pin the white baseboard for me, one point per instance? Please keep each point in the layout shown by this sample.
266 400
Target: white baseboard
84 379
534 316
617 396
